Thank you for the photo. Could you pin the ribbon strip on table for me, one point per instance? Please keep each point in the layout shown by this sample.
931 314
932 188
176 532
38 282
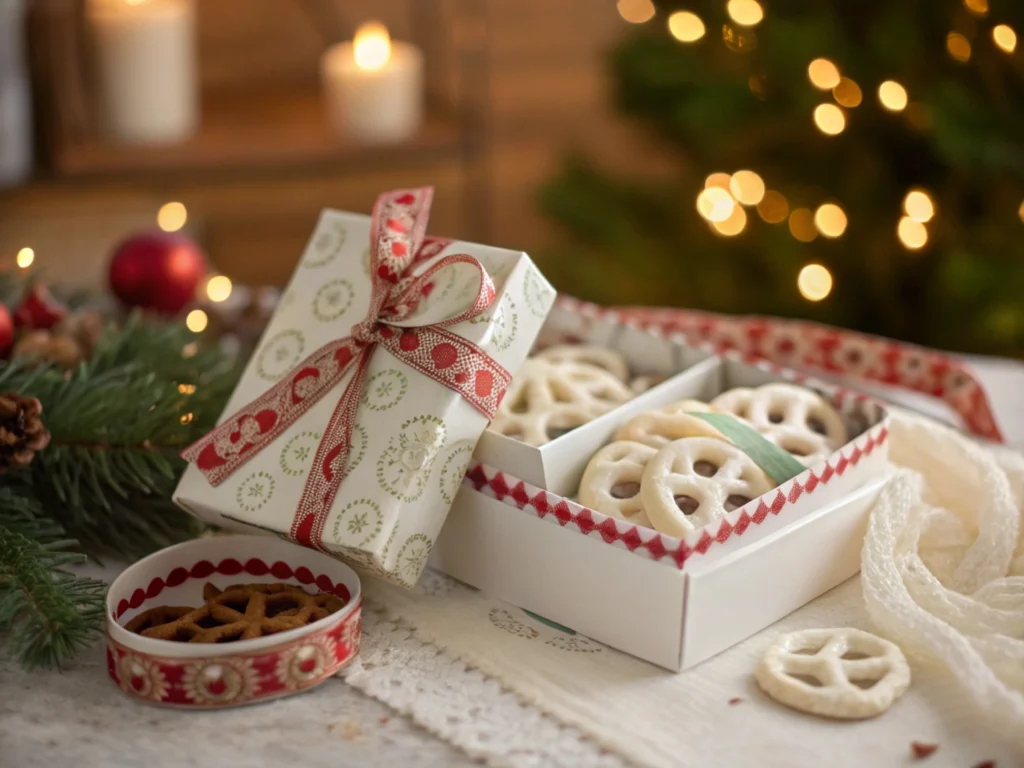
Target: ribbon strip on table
817 347
397 243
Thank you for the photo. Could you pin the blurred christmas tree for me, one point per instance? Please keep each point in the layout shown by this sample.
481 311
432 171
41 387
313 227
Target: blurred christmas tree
856 163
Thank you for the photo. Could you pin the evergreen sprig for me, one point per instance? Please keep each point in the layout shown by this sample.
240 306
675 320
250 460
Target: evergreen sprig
117 423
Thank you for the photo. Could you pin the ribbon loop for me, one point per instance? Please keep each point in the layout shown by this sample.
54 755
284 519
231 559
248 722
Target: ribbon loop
397 245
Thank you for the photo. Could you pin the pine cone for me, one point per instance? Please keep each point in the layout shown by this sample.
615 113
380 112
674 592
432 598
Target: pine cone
22 431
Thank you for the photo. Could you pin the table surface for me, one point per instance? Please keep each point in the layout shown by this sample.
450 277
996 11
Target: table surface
78 718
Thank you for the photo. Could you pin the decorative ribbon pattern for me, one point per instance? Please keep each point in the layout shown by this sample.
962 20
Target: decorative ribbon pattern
397 243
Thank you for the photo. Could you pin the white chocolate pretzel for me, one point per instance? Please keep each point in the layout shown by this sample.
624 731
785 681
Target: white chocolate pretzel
611 482
659 428
602 357
843 673
692 481
795 418
545 399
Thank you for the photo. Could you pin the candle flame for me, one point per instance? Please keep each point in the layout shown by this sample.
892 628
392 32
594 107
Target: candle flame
372 46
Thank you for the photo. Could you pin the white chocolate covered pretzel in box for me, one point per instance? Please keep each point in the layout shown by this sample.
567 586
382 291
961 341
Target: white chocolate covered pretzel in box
796 419
672 422
696 480
546 399
601 357
843 673
611 481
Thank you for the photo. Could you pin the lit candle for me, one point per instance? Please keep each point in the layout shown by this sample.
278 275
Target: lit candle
146 68
373 87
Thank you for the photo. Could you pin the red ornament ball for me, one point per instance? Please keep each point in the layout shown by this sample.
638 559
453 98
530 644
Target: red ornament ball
6 329
39 309
158 271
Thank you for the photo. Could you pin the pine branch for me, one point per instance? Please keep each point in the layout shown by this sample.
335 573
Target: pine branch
46 612
117 424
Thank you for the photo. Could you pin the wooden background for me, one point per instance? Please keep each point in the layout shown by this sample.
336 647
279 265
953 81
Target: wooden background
546 88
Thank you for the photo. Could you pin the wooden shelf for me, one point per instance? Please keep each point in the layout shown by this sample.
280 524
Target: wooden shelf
282 130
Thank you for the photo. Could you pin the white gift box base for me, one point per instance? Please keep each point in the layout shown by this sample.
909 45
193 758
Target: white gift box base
669 601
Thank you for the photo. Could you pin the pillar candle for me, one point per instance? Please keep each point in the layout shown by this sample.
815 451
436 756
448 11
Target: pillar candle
146 68
373 87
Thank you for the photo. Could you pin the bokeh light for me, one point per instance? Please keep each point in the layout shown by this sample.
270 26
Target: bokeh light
636 11
171 217
745 12
196 321
978 7
187 389
912 234
747 187
686 27
814 282
959 47
25 258
734 224
918 205
823 74
1020 211
1005 38
717 180
773 207
801 225
892 95
847 93
715 204
218 288
830 119
830 220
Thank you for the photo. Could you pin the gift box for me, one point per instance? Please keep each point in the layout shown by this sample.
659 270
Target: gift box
672 601
353 423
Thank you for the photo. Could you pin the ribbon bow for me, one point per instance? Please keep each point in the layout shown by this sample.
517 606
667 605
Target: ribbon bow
397 243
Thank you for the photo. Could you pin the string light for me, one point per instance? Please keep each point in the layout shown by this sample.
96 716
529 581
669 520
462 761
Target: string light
977 7
196 321
636 11
187 389
814 282
686 27
911 233
847 93
733 225
801 225
747 187
171 217
892 95
745 12
187 418
830 220
1005 38
830 119
25 258
918 206
715 204
823 74
773 207
1020 211
717 180
959 47
218 288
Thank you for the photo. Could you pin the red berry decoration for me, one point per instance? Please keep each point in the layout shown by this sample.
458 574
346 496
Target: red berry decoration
158 271
39 310
6 329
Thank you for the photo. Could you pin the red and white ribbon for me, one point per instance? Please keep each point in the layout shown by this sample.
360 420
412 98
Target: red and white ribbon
397 242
